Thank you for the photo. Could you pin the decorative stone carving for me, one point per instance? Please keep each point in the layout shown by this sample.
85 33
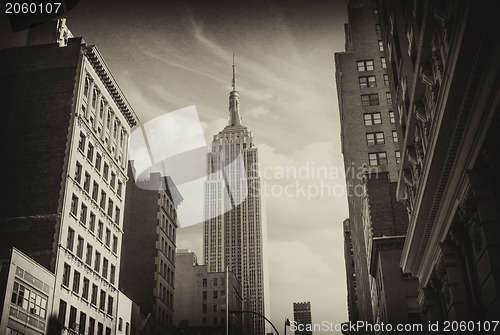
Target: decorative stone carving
469 216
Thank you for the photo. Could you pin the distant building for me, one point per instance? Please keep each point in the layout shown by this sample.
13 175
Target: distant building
232 230
302 317
205 300
148 251
65 148
352 311
368 134
444 64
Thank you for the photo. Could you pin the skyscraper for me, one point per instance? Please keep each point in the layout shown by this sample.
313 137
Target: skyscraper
232 234
302 317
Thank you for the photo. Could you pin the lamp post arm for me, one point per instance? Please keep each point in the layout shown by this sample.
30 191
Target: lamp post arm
262 316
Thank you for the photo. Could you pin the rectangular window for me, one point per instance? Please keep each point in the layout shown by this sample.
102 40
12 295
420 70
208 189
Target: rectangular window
375 138
66 275
72 318
81 143
90 153
395 136
95 191
368 81
386 80
204 295
377 158
383 63
398 156
98 160
97 261
112 274
369 99
78 172
93 299
215 281
204 282
120 324
85 289
380 45
110 207
74 205
105 268
91 326
79 247
119 190
391 117
113 180
216 294
110 306
377 28
115 244
81 325
100 329
105 172
88 258
103 200
375 15
62 312
70 239
76 282
204 308
365 65
117 215
388 96
102 301
92 222
108 237
100 229
83 214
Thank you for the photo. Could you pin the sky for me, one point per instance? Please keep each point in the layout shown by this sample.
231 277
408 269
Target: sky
177 55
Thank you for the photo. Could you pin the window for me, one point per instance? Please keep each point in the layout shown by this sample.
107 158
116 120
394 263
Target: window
112 274
78 172
398 156
113 180
380 45
204 308
85 289
222 292
119 190
110 207
86 183
377 28
92 222
66 275
386 80
204 320
215 281
88 258
100 229
103 200
126 328
83 214
102 301
383 63
375 15
90 152
368 81
81 325
70 239
215 321
117 215
375 138
105 171
215 308
388 96
216 294
29 300
395 136
100 329
391 117
79 247
62 312
72 318
86 87
110 305
204 282
95 191
377 158
365 65
81 142
91 326
108 237
115 244
76 282
105 268
94 98
369 99
204 295
98 160
93 299
97 261
74 205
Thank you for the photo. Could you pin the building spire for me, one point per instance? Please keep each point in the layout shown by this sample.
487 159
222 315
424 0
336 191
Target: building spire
234 103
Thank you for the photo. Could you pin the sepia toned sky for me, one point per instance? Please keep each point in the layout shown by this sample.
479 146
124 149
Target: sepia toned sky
168 55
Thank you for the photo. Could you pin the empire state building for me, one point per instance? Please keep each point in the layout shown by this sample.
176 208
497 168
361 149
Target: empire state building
232 231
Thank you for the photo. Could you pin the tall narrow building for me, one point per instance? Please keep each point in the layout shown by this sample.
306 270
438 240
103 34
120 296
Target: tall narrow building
302 318
232 234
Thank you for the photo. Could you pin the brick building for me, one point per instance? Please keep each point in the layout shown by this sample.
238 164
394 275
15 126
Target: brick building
368 134
65 148
148 252
445 68
205 299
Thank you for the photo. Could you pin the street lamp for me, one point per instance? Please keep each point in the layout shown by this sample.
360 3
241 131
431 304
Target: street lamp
262 316
287 323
